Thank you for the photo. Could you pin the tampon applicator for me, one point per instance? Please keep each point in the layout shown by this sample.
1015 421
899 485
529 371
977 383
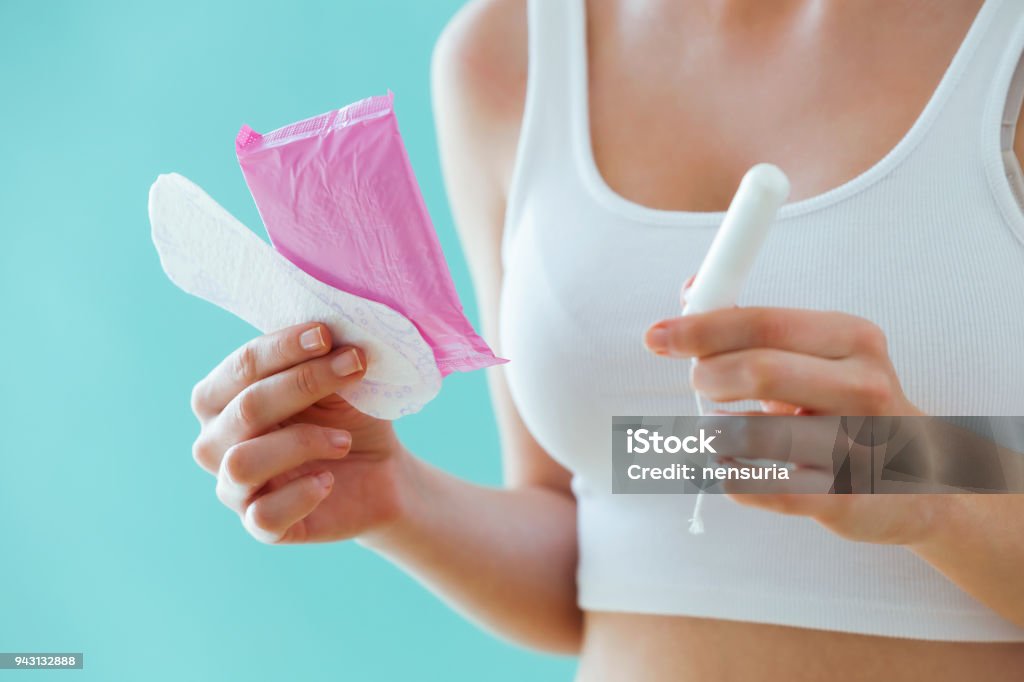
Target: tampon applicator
724 271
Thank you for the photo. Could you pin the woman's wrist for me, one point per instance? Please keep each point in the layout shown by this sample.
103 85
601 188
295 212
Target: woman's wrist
413 482
940 517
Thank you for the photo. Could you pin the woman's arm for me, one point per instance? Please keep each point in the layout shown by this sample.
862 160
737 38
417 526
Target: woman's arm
506 559
298 464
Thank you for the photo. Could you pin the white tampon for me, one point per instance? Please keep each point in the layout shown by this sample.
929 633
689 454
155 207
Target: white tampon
723 274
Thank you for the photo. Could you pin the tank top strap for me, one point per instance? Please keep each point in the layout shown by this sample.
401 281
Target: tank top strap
973 112
999 72
552 92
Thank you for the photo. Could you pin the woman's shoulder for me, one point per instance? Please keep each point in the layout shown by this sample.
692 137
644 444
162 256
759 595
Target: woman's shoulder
481 58
479 90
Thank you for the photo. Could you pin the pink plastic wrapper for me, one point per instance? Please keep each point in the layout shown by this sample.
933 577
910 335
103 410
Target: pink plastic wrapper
339 199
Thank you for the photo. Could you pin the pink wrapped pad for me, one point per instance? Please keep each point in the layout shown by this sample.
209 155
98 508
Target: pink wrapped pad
339 200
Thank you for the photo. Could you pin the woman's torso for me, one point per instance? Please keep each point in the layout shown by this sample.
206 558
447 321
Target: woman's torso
670 133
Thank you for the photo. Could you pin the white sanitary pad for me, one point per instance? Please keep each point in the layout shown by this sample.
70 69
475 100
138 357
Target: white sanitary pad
208 253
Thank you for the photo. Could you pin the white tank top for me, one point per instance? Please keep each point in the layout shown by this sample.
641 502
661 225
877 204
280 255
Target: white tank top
928 243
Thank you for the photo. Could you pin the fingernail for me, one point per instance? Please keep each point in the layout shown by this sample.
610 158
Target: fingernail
325 479
657 340
347 363
684 295
312 339
339 439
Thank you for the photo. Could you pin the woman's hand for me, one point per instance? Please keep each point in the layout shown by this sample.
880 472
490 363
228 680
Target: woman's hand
299 464
803 362
295 460
790 360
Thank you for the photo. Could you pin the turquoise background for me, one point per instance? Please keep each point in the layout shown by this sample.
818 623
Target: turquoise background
111 539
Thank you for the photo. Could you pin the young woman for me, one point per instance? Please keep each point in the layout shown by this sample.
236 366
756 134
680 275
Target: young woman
589 147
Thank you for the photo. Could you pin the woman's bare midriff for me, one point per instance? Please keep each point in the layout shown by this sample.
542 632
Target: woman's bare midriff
622 646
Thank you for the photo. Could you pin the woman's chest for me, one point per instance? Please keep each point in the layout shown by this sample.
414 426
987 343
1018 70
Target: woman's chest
579 294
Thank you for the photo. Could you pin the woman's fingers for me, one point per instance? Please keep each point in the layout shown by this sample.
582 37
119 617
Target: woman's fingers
812 332
263 405
256 360
820 385
275 516
250 465
685 292
796 362
881 519
776 407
